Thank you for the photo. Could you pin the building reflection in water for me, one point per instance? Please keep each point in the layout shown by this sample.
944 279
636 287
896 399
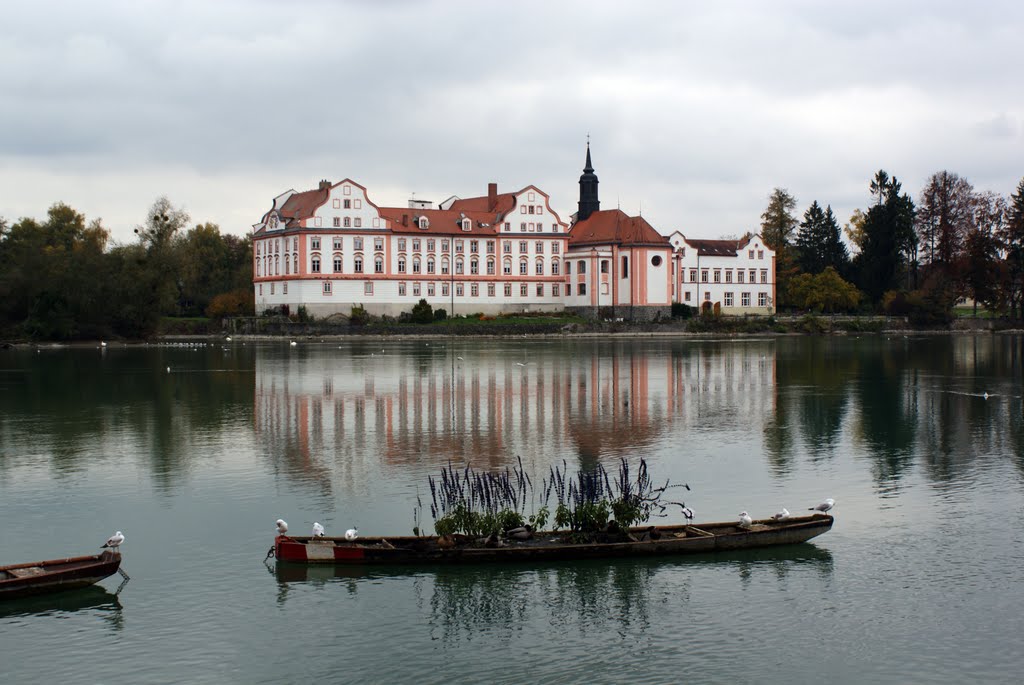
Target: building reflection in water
593 402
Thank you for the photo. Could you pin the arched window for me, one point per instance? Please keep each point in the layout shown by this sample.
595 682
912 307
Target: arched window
378 265
581 267
490 267
337 263
277 265
415 265
474 267
287 265
424 222
430 265
295 263
466 224
259 267
401 265
315 264
444 265
554 267
524 267
539 267
506 267
357 264
458 265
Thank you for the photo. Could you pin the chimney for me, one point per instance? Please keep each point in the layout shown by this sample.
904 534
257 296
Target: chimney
405 219
492 197
325 184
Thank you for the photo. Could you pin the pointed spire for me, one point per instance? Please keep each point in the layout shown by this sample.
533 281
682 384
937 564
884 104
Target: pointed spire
589 202
589 168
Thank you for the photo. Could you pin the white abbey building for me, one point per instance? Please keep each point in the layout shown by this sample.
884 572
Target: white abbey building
333 248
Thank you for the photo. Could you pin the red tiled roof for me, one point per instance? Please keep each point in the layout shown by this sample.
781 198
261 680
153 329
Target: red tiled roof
440 221
504 204
715 248
613 226
302 205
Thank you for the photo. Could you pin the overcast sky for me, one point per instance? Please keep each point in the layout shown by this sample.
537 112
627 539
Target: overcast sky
696 110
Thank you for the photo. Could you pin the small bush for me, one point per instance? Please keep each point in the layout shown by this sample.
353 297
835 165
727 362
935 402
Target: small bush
440 314
681 311
422 312
359 316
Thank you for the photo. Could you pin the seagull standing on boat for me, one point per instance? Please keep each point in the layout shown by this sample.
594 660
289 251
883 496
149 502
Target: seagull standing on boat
114 542
318 530
282 526
781 515
824 506
688 513
351 534
745 520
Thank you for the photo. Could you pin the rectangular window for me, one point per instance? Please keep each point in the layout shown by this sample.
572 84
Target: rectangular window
368 288
581 289
337 243
284 288
430 290
348 204
686 296
506 247
703 275
554 268
508 290
693 275
327 287
522 209
474 290
444 246
508 226
416 289
540 268
490 247
261 289
523 290
378 244
728 275
728 299
760 254
568 268
336 222
530 227
581 267
718 275
523 269
554 247
538 247
348 222
739 275
707 295
444 290
458 246
604 266
314 244
745 299
271 288
336 203
474 246
522 227
556 290
540 290
490 290
401 289
764 275
762 299
524 247
318 222
357 243
750 254
359 204
753 276
401 244
459 289
430 244
529 209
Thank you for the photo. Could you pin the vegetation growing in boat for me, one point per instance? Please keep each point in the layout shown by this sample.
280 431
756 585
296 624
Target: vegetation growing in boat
590 501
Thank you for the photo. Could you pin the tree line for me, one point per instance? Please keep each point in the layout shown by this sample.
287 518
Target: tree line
64 279
913 259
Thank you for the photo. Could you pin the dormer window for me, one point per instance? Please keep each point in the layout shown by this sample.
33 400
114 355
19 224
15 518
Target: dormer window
467 225
423 222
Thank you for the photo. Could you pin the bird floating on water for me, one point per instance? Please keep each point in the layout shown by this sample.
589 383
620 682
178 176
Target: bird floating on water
114 542
103 343
745 520
824 506
351 534
318 530
293 343
282 526
781 515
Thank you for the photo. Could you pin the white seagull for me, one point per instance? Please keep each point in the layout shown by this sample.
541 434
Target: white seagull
351 534
745 520
318 530
824 506
781 515
114 542
282 526
688 513
103 343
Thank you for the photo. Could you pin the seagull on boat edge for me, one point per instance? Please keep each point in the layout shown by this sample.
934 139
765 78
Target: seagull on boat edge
688 513
745 520
318 530
282 526
781 515
351 534
114 542
824 506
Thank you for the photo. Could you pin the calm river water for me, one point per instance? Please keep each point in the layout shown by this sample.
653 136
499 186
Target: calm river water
193 452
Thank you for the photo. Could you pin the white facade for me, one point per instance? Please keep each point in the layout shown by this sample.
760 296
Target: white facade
738 276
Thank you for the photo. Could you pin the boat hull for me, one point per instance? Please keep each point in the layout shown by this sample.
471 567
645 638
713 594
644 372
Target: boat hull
56 575
642 542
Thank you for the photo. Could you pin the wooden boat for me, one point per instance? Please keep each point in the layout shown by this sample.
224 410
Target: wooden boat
34 578
545 546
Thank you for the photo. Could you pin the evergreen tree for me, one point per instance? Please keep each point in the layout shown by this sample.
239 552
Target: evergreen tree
1011 240
890 244
819 243
833 250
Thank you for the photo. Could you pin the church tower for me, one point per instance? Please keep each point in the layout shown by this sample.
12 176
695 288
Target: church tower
588 190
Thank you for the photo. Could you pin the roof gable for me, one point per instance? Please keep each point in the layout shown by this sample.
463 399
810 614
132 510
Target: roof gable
613 226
